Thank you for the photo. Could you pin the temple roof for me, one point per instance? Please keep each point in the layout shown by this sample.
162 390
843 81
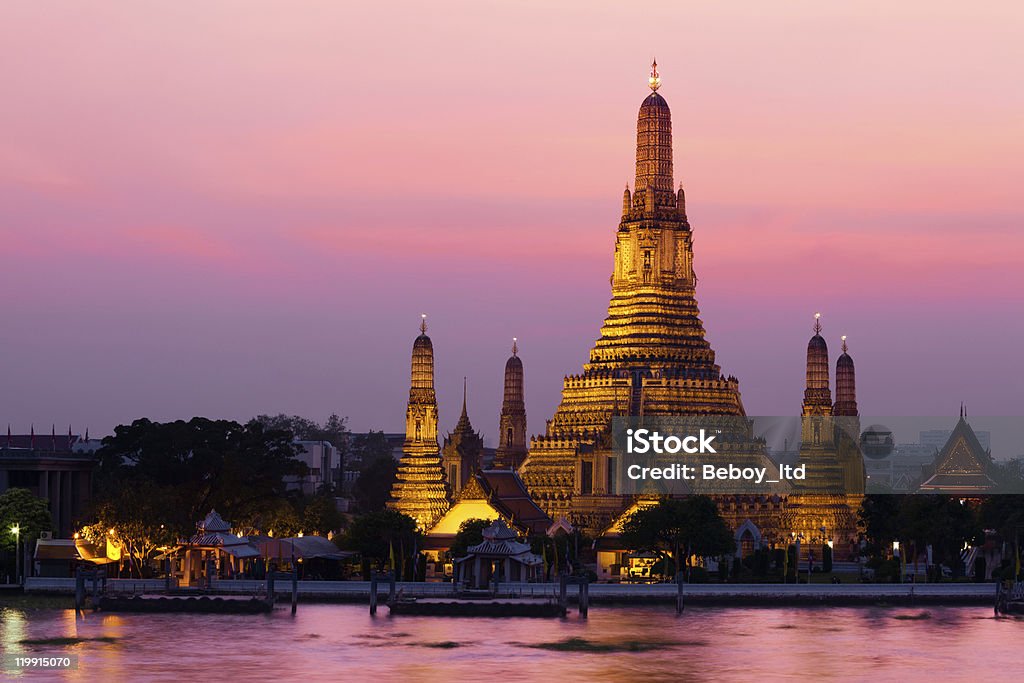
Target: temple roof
962 464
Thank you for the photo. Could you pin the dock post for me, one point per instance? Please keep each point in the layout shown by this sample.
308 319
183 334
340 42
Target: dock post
295 590
679 592
270 588
562 601
391 588
584 596
373 592
95 589
79 589
167 575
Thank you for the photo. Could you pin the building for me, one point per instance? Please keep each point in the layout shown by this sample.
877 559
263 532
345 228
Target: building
420 489
652 360
937 438
652 357
463 451
511 449
322 461
57 468
962 466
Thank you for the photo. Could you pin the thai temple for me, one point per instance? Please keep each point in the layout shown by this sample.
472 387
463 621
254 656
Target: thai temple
652 359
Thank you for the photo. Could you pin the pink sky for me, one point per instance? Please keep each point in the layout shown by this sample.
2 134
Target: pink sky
231 208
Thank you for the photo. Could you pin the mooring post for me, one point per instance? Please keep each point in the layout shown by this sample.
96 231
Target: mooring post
679 592
391 588
295 590
373 592
95 589
270 587
167 575
79 589
562 600
584 596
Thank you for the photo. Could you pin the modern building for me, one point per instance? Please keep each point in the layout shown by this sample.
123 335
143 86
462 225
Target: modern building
322 461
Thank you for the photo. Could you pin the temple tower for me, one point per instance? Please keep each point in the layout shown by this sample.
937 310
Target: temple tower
824 506
420 490
512 424
817 405
651 358
846 385
463 451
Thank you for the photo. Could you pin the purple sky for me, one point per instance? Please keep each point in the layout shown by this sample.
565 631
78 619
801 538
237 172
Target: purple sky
243 207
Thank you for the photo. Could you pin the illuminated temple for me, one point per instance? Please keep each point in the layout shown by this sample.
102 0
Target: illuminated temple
651 359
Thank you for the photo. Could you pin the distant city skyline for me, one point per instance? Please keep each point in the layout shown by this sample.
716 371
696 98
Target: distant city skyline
210 213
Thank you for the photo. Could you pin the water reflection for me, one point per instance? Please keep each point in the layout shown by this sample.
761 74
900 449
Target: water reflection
325 641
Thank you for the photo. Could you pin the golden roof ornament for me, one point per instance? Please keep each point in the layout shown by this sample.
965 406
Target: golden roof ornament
844 343
515 346
423 323
817 323
654 82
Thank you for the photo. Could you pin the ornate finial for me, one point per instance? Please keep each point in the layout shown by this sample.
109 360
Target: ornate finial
515 346
844 343
817 323
465 383
423 323
654 82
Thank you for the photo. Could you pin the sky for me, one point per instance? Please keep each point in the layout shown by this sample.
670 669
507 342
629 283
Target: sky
234 208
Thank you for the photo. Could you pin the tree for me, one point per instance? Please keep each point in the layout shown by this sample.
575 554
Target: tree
19 507
470 533
373 487
878 518
155 480
321 516
674 526
376 536
942 522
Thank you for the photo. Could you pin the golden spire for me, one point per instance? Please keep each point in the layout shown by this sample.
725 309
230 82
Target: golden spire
817 323
423 323
654 82
515 346
844 343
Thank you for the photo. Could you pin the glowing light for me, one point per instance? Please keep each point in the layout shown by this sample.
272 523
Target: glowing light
817 316
16 530
654 82
110 532
300 534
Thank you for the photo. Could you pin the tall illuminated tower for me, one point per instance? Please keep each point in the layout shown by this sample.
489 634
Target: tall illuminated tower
420 490
651 358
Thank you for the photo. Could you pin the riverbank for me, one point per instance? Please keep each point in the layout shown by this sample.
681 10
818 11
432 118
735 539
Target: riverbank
760 595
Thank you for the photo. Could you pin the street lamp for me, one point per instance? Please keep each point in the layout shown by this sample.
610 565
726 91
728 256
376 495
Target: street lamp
16 530
899 560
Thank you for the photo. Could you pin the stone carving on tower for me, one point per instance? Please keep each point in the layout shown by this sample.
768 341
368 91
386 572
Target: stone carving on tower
651 358
511 449
462 453
420 490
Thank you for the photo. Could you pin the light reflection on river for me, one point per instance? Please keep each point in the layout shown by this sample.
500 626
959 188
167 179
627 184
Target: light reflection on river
329 642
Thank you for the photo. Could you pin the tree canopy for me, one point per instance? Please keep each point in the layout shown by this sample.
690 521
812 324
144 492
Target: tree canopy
679 528
155 480
470 533
19 507
376 535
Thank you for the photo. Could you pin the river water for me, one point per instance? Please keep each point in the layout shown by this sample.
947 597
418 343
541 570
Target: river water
333 642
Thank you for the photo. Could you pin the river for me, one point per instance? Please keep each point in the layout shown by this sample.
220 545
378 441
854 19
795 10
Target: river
334 642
